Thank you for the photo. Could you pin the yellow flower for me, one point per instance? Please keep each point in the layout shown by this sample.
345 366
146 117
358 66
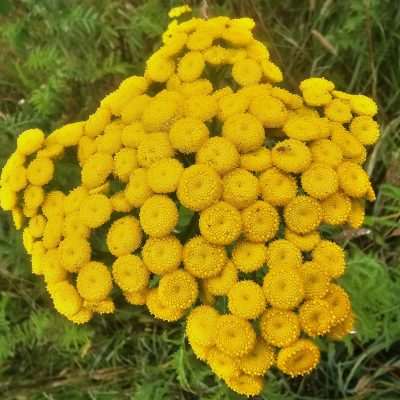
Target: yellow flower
339 303
327 152
280 328
83 316
125 161
246 300
27 240
137 191
248 256
94 282
256 161
271 71
349 144
234 335
191 66
17 179
18 218
259 360
134 110
353 180
335 209
365 129
271 112
291 155
124 236
283 287
246 385
65 298
162 255
331 258
159 113
199 187
30 141
244 131
281 252
315 317
232 104
132 135
96 210
159 68
256 50
86 147
154 147
52 269
317 83
8 198
173 44
40 171
319 181
292 101
178 11
298 359
159 310
363 105
342 329
223 365
37 251
199 87
219 153
200 39
201 352
202 107
220 223
36 226
68 135
96 170
96 122
110 141
188 134
277 188
74 252
216 55
303 214
73 226
305 242
220 284
316 96
120 203
53 205
164 175
75 198
339 111
203 259
201 325
302 127
316 280
241 188
53 230
136 298
178 289
246 72
105 306
130 273
357 214
158 215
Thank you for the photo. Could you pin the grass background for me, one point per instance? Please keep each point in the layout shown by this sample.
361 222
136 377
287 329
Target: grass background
58 58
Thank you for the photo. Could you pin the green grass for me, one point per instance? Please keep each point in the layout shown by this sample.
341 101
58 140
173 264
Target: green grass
57 60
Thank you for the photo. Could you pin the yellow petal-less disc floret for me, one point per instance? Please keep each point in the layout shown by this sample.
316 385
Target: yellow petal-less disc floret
298 359
350 146
36 225
260 222
96 122
201 325
220 284
96 210
353 180
335 209
271 112
246 385
96 170
246 72
365 129
339 303
330 257
164 175
316 280
291 155
65 298
73 226
220 223
256 161
327 152
339 111
203 259
284 287
124 236
223 365
315 317
178 289
363 105
357 214
75 198
53 204
30 141
94 282
33 196
303 214
234 335
302 127
282 252
154 147
259 360
246 300
279 328
158 216
319 181
138 190
125 161
130 273
74 252
120 203
159 310
248 256
342 329
305 242
40 171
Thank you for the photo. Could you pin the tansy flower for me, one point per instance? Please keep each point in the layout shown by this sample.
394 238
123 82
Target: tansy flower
339 111
220 223
365 129
83 316
302 127
75 198
291 155
248 256
201 107
27 240
303 214
96 210
342 329
298 359
37 252
203 259
350 146
353 180
52 232
65 298
105 306
220 284
363 105
256 161
259 360
197 87
159 310
246 385
256 50
316 96
120 203
130 273
292 101
357 213
53 204
237 36
17 178
201 352
241 188
158 215
284 287
110 141
201 325
282 252
246 72
331 257
316 280
220 154
244 131
319 181
315 317
271 71
52 269
199 187
124 236
178 289
188 134
73 226
223 365
335 209
190 66
134 109
277 188
96 170
36 225
132 135
154 147
40 171
94 281
339 303
68 135
246 299
96 122
234 335
162 255
260 222
74 252
33 196
318 83
159 68
164 175
30 141
138 190
327 152
125 161
173 44
271 112
137 298
279 328
215 55
232 104
159 113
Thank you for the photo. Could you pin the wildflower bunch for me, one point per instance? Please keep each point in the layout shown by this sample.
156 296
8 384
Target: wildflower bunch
259 167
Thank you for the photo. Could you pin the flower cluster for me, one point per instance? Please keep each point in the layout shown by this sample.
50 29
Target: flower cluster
206 129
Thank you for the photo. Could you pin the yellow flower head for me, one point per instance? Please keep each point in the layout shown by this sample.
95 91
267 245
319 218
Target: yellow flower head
132 135
154 147
74 199
291 155
327 152
52 232
270 111
74 252
223 365
259 360
96 210
97 122
357 214
331 258
159 310
164 175
339 303
94 282
335 209
340 330
319 181
65 298
201 107
305 242
125 161
220 284
52 269
246 385
36 225
159 113
191 66
248 256
256 161
201 325
73 226
315 317
350 146
284 253
316 280
246 72
40 171
134 110
96 170
138 190
353 180
363 105
232 104
30 141
130 273
159 68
